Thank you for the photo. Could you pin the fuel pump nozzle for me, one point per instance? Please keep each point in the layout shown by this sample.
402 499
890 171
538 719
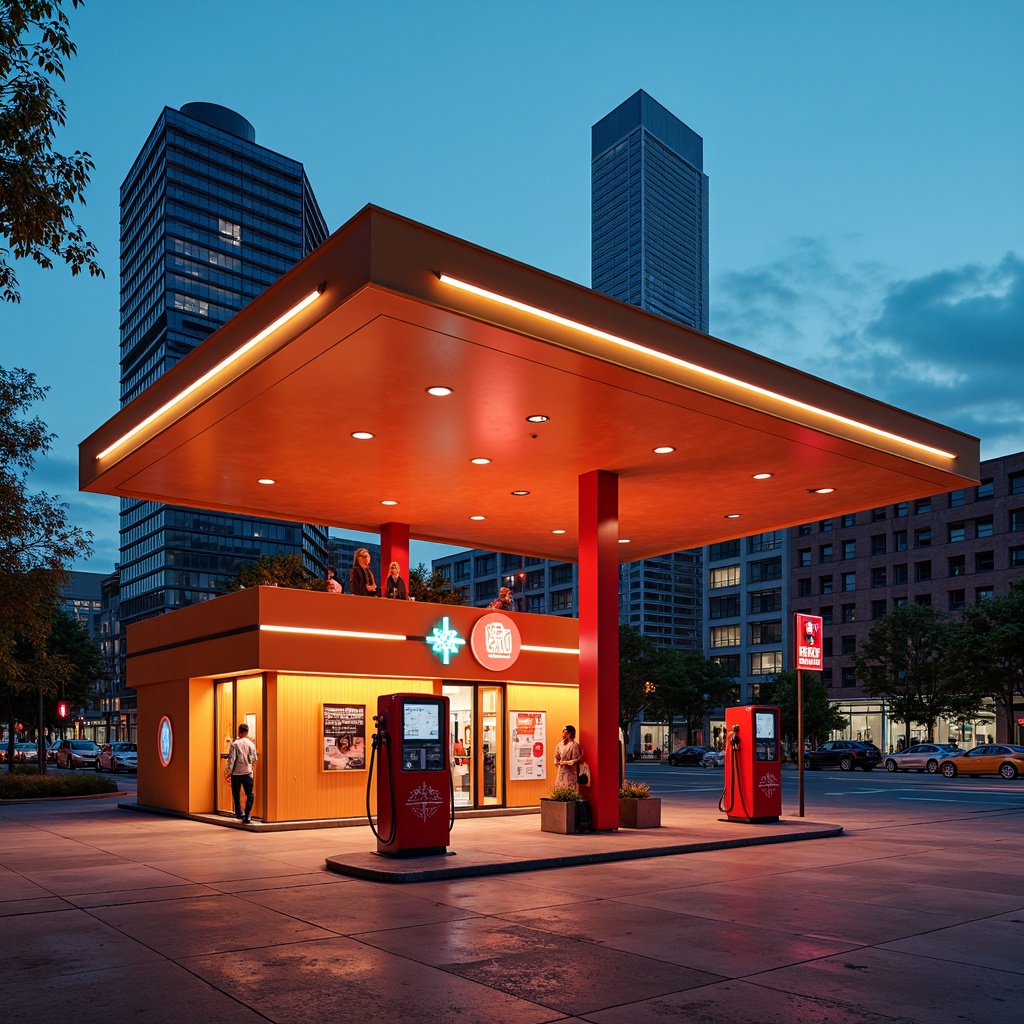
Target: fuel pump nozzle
734 737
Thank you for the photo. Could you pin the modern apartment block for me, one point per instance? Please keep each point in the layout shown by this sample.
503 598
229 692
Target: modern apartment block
539 585
745 609
948 551
208 220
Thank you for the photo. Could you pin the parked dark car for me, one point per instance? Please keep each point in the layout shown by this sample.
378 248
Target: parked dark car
924 757
844 755
687 755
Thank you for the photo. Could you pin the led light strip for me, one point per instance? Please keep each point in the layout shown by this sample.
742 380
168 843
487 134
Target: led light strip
549 650
310 631
684 364
223 364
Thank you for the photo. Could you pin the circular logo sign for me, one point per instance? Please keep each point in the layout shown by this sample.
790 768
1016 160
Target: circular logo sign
164 741
495 641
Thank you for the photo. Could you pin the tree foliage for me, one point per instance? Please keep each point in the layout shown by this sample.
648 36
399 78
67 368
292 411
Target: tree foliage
38 186
637 659
273 571
687 685
985 652
821 716
433 587
36 545
903 660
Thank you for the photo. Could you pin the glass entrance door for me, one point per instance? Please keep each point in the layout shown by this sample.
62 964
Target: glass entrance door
236 701
477 748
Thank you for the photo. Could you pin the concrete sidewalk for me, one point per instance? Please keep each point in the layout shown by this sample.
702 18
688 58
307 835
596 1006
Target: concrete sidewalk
109 913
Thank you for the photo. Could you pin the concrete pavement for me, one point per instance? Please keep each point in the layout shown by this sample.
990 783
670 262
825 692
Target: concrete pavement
108 914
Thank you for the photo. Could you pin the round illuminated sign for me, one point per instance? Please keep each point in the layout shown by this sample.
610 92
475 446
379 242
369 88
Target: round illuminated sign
164 741
495 642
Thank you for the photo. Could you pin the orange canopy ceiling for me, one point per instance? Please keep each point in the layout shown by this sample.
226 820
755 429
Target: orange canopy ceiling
614 382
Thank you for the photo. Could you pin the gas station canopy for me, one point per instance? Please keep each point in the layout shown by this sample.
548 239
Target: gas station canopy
314 404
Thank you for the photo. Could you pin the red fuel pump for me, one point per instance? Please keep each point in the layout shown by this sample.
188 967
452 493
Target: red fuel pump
753 765
415 804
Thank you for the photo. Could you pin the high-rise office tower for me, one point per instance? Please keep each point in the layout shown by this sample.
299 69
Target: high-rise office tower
649 203
208 220
649 211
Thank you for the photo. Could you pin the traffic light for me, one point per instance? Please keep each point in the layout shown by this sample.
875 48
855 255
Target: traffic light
62 709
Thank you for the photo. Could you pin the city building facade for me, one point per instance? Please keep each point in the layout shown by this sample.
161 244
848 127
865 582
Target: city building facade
209 219
947 551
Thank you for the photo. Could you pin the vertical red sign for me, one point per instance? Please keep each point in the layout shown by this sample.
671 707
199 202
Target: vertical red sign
808 642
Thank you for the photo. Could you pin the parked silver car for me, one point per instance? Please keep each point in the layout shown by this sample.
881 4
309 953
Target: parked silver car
77 754
922 757
713 759
115 756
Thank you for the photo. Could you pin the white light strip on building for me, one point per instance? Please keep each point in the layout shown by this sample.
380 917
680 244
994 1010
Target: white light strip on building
684 364
309 631
549 650
223 364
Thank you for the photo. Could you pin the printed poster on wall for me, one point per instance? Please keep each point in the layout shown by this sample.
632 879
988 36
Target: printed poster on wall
528 732
344 737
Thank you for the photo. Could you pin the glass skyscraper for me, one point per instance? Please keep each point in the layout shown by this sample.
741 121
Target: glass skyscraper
209 219
649 208
650 211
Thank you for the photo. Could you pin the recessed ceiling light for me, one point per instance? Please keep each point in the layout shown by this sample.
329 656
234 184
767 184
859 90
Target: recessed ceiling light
664 450
733 515
439 391
558 531
763 476
478 517
362 435
266 480
537 418
480 462
821 490
519 494
389 501
623 540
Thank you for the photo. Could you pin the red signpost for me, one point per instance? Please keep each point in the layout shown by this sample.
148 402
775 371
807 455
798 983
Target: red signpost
807 648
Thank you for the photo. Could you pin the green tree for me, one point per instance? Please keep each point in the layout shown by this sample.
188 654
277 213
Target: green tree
273 571
38 186
69 665
637 662
36 544
821 716
688 686
986 652
901 660
432 587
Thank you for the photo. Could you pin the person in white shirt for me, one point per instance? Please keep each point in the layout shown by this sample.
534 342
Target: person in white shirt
242 757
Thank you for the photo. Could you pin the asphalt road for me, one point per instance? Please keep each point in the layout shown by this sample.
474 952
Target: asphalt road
828 793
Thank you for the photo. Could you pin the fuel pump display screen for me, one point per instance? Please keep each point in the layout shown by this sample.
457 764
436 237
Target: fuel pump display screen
765 742
422 747
421 721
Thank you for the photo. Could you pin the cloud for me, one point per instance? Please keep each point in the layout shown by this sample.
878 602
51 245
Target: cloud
948 345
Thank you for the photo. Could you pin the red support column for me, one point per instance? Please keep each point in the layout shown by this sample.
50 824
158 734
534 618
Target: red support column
394 547
599 642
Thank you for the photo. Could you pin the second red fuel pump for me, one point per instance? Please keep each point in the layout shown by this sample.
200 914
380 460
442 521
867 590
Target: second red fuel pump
753 765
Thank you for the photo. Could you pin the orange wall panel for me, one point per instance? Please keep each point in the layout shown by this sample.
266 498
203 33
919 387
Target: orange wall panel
562 706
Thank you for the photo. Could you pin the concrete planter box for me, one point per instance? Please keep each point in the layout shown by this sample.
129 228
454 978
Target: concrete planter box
558 816
635 813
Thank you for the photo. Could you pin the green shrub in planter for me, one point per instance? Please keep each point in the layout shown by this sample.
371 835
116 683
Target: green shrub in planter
634 790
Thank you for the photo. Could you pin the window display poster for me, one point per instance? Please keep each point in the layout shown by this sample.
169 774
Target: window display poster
528 733
344 737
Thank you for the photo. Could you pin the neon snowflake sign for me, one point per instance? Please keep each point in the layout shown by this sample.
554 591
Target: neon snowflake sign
445 641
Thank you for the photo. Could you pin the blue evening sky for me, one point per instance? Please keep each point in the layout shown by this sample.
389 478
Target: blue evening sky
865 162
